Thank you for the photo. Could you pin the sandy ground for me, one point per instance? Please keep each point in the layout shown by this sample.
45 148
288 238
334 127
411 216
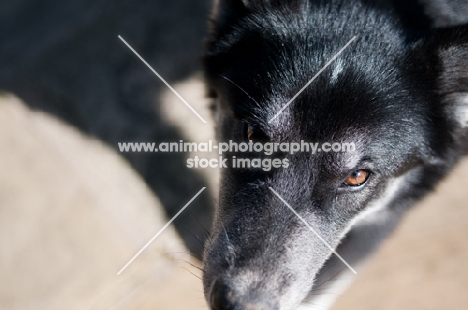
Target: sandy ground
73 212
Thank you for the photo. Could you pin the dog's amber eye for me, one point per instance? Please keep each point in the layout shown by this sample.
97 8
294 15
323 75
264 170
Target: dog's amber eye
357 178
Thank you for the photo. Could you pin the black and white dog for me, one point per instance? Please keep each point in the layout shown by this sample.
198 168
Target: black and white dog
399 92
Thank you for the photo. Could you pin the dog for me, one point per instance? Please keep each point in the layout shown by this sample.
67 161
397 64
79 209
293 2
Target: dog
398 91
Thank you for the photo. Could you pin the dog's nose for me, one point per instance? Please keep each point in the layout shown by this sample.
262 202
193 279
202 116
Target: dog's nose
225 298
222 297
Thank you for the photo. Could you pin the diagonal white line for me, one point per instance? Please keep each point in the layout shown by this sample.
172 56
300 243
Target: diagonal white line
311 80
160 231
164 81
313 230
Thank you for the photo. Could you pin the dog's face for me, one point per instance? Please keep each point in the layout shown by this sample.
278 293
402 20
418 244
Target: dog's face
377 94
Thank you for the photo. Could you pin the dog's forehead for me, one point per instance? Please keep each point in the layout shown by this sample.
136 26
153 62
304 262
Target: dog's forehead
282 77
342 103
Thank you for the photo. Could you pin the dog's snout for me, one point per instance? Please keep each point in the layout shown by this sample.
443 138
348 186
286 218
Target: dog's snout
223 297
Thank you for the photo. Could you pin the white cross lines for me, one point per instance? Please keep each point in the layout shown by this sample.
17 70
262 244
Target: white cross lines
201 118
163 80
312 79
160 231
313 230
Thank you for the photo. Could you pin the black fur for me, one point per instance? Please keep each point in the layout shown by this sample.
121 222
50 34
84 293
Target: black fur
396 99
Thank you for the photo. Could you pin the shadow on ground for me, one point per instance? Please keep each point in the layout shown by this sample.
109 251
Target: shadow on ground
65 58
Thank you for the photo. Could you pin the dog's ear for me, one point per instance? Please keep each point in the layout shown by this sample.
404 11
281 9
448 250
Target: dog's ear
450 47
228 12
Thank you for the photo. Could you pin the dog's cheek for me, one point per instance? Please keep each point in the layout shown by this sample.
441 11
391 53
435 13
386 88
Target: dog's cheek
453 80
456 109
460 110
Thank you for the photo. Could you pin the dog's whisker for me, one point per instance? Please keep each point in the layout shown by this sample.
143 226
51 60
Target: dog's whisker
198 277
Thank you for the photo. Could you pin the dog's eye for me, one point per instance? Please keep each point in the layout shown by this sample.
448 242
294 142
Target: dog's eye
357 178
252 133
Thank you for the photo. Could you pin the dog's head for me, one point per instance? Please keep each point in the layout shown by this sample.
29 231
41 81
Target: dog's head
398 98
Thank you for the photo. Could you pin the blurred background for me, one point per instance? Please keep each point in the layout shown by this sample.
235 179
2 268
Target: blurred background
74 210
